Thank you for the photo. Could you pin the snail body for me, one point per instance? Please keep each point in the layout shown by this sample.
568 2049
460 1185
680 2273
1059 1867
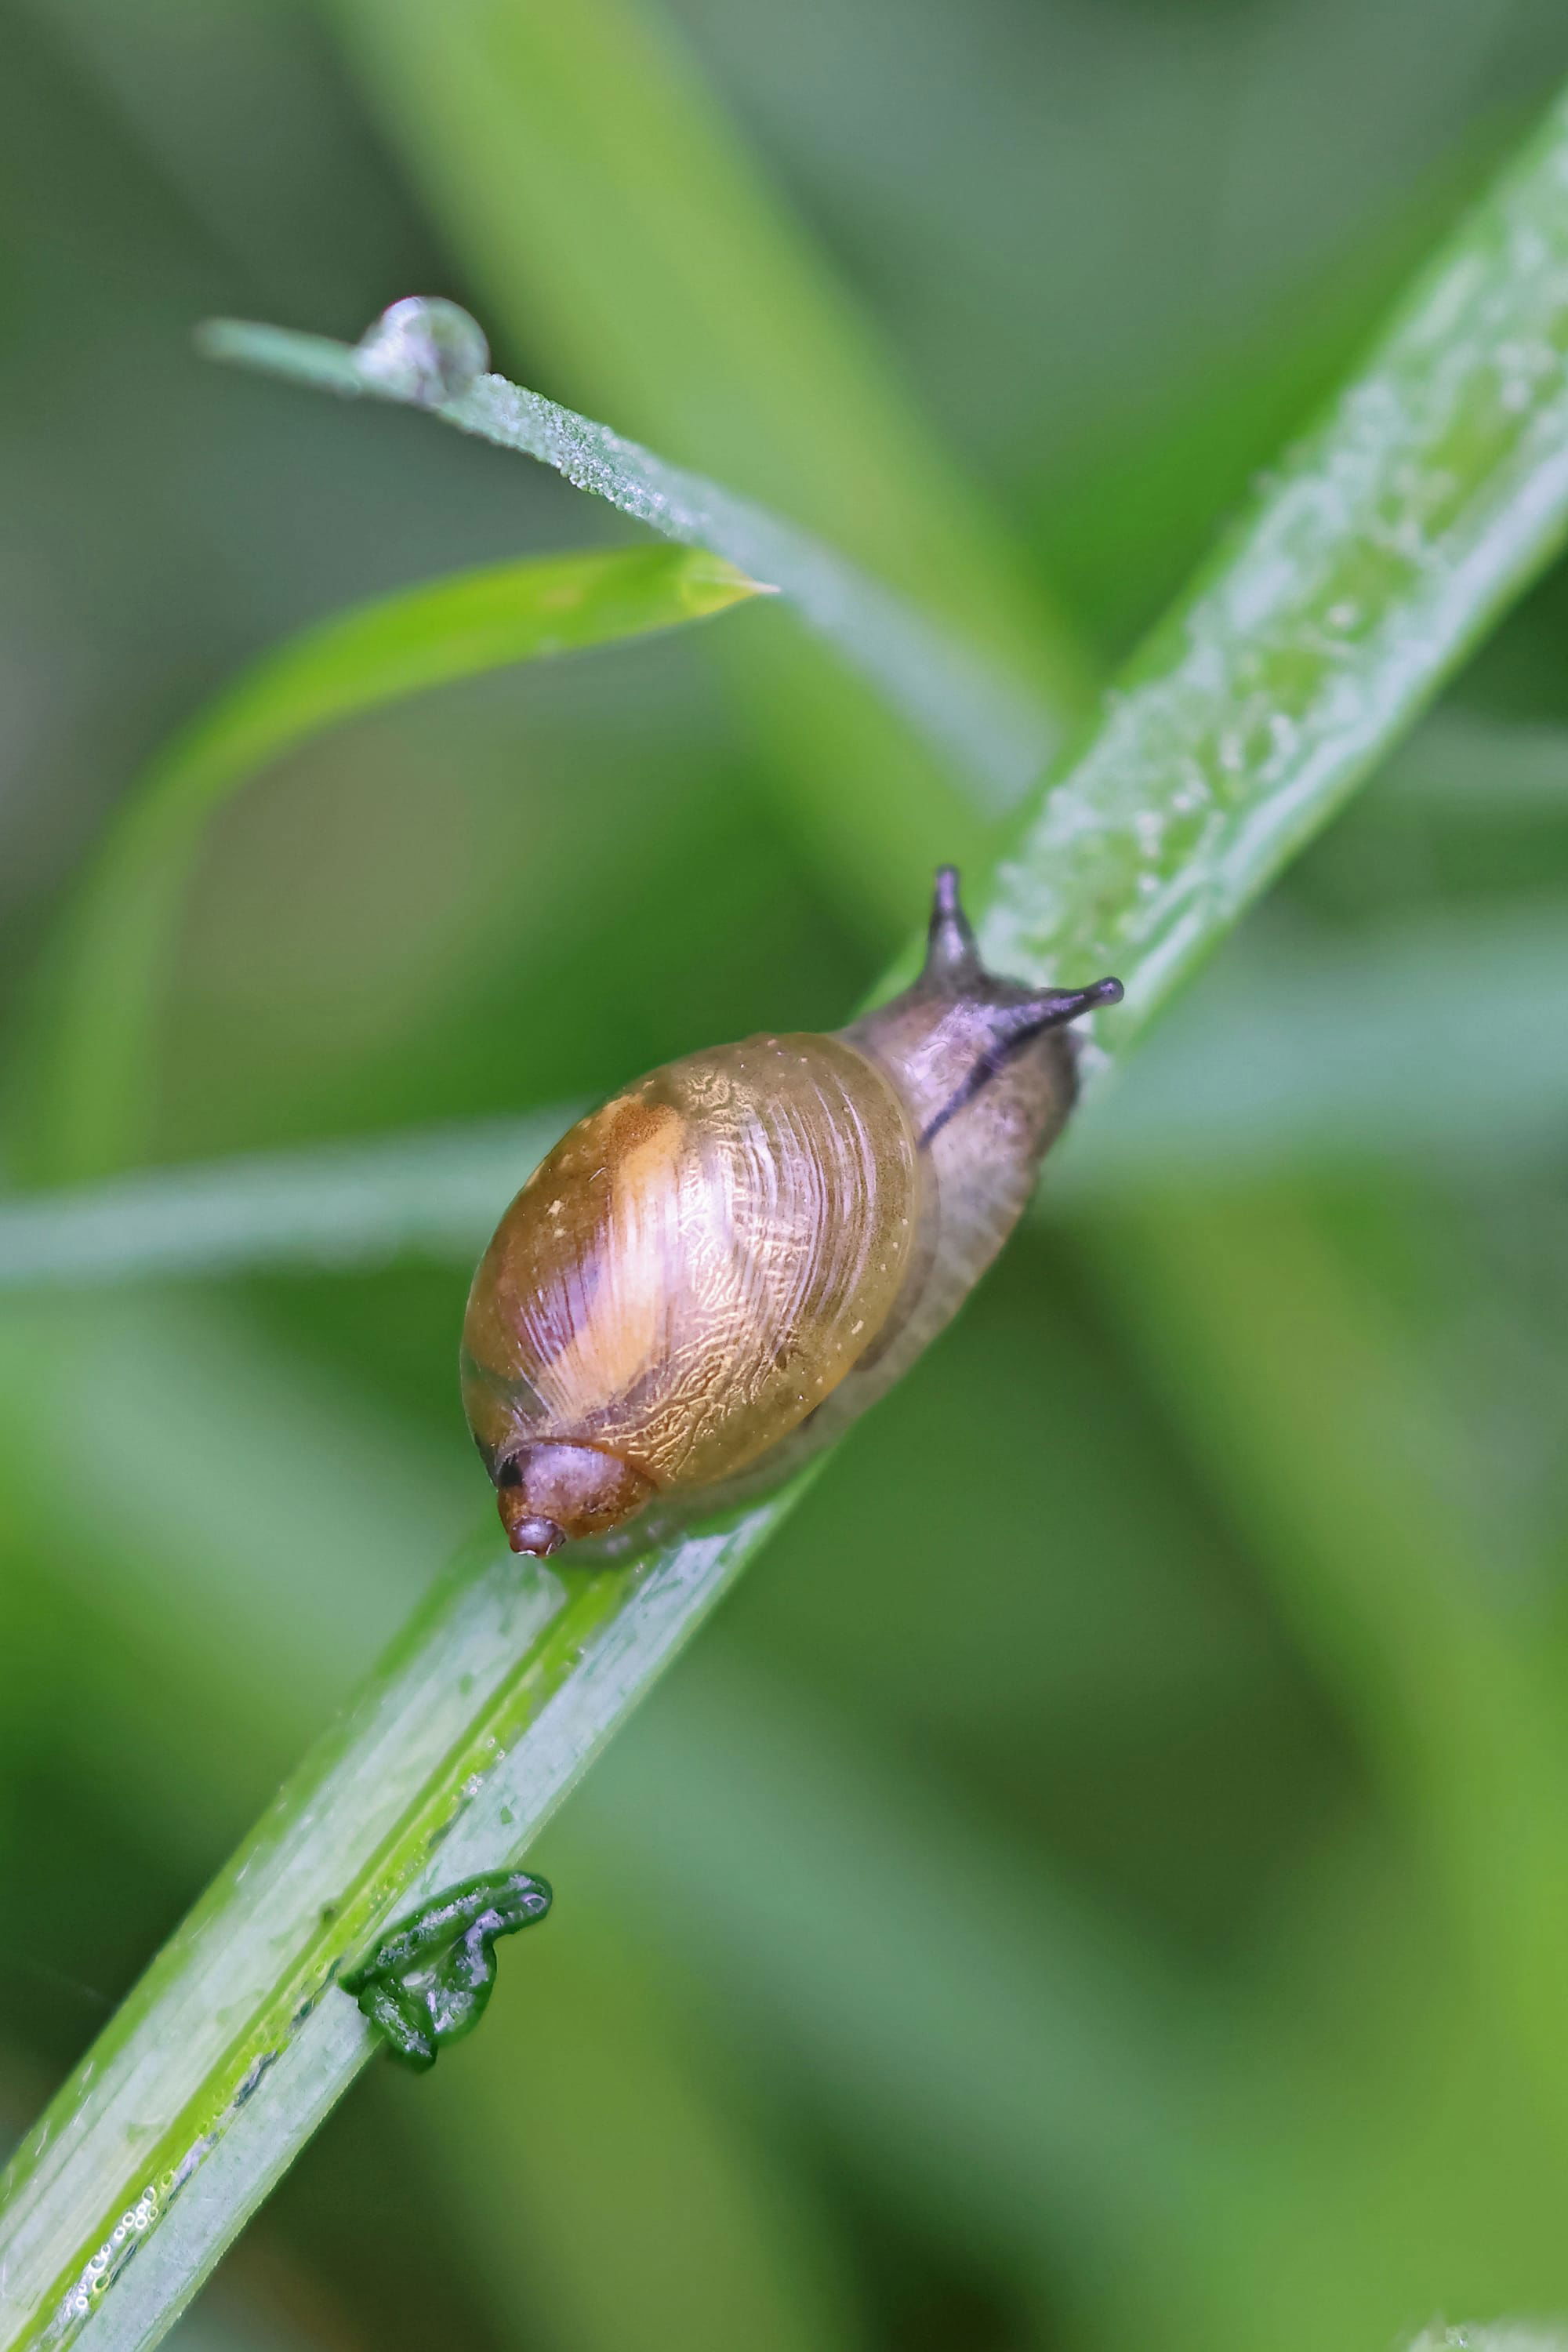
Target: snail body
713 1274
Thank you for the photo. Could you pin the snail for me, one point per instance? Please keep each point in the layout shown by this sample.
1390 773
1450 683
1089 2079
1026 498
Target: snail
710 1277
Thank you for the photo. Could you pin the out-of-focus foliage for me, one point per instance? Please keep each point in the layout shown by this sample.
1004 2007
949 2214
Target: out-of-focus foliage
1176 1960
96 1077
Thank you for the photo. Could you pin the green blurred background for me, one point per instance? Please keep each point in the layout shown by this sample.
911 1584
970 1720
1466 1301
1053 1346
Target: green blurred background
1103 1881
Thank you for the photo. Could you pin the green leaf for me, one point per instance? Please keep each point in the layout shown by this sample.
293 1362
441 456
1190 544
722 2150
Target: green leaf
808 1824
1080 2108
625 235
1431 492
474 1728
947 688
94 1055
614 219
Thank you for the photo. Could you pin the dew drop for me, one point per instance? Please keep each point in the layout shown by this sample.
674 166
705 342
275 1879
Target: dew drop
422 348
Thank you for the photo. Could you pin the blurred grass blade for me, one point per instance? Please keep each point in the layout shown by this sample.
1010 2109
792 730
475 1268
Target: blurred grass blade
478 1721
591 181
588 2105
1285 1056
1438 486
1498 2336
1414 1593
1470 763
614 219
1297 1054
946 687
93 1058
436 1194
1081 2113
802 1871
1081 2068
1433 490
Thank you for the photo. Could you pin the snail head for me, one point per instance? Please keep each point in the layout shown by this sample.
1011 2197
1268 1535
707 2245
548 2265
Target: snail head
550 1493
954 967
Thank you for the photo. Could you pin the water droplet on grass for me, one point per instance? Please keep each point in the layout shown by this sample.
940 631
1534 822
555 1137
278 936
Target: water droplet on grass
422 348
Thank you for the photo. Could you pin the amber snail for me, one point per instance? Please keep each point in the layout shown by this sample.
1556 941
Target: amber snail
711 1276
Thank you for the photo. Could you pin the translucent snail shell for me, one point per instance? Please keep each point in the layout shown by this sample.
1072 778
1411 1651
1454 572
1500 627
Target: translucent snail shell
713 1274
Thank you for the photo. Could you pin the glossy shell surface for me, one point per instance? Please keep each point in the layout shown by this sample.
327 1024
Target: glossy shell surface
699 1263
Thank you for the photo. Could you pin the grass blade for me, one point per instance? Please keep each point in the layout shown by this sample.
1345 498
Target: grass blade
1295 1056
1500 2336
1433 490
1438 486
1373 1499
350 1205
759 1872
947 688
614 219
94 1050
1288 1058
483 1715
586 175
1089 2088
